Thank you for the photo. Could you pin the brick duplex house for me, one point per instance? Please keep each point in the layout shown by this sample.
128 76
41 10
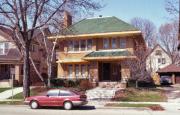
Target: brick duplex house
11 58
96 48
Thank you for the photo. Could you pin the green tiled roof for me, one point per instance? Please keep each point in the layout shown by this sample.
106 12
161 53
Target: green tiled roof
99 25
108 53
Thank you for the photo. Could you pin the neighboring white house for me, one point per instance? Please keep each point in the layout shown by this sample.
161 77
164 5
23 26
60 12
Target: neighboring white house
157 58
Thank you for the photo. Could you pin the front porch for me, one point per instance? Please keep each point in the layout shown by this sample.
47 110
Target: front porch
6 75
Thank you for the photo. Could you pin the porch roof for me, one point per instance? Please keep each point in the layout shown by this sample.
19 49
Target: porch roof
109 55
72 60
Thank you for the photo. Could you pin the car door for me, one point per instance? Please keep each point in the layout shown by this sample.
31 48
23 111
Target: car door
51 99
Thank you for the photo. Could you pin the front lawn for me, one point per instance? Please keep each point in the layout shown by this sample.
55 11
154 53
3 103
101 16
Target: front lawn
3 89
34 91
11 102
140 95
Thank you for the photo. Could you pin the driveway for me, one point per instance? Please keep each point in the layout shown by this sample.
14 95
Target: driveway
25 110
173 93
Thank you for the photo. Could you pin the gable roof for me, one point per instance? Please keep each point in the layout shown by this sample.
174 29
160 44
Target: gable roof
12 54
172 68
152 50
100 25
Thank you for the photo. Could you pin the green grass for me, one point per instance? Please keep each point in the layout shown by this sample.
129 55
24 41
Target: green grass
3 89
33 92
130 105
11 102
141 95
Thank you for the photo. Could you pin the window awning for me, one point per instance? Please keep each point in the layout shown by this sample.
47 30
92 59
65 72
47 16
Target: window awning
109 55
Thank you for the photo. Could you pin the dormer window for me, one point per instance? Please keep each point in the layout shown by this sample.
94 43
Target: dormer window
4 48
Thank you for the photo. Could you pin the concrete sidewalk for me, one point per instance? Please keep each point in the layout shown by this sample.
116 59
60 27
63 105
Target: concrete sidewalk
166 105
8 93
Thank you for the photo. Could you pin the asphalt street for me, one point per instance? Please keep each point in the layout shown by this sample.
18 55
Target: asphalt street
87 110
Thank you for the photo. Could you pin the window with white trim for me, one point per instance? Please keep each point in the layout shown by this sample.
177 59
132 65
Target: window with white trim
76 45
70 45
4 48
122 43
89 44
83 71
113 43
70 71
83 45
105 43
77 71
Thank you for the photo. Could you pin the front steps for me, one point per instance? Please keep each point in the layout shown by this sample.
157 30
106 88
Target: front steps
101 93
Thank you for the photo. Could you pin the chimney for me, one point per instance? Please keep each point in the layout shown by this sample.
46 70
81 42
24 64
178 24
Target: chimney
67 19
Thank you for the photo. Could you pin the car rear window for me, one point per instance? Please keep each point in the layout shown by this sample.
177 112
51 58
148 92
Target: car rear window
66 93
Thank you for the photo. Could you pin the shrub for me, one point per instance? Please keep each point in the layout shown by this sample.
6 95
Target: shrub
85 84
57 82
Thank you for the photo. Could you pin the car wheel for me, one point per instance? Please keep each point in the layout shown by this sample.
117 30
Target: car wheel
34 105
68 105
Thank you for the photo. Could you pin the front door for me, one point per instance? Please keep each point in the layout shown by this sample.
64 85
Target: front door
106 72
109 72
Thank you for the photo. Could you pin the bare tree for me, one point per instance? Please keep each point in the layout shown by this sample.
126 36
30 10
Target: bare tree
137 66
148 30
22 17
168 36
173 8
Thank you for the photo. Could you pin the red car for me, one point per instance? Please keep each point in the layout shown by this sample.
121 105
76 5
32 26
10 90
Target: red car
56 97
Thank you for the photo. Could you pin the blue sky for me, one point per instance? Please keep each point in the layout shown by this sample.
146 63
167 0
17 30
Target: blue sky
153 10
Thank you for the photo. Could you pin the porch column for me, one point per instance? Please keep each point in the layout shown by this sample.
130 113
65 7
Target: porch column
125 73
60 72
94 71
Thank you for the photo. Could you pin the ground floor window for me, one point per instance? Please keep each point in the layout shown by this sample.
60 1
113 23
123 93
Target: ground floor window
77 71
70 71
80 70
83 71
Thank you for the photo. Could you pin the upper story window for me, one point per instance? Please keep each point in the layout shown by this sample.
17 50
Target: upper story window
106 43
89 44
70 45
3 48
163 60
76 45
83 45
158 52
80 45
122 43
33 48
113 43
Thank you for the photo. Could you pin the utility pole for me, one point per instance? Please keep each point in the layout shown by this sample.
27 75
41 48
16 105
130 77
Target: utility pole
12 81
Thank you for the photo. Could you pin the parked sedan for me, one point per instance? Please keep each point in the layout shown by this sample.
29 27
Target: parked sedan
56 97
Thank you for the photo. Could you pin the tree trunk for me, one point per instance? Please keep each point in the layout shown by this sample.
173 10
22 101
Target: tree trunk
49 74
26 77
136 83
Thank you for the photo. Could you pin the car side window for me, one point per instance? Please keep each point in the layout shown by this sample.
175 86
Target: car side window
53 93
66 93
